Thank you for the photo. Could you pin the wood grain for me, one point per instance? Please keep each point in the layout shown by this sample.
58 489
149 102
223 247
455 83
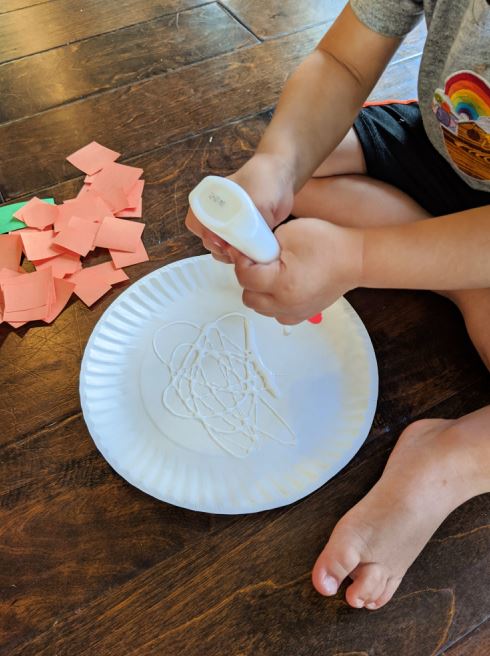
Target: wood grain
111 60
124 56
149 113
277 17
474 644
13 5
49 25
153 579
107 532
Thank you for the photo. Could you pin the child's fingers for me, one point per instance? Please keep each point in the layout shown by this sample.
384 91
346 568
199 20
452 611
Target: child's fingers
203 233
216 251
237 256
261 303
221 258
211 245
266 305
256 277
192 224
217 241
287 320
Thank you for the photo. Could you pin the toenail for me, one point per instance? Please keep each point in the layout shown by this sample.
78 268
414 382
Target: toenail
371 606
359 603
330 585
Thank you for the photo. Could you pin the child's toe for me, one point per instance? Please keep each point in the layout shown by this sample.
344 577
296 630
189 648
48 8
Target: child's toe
338 559
369 584
390 589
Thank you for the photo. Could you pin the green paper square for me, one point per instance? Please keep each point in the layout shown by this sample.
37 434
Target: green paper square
7 222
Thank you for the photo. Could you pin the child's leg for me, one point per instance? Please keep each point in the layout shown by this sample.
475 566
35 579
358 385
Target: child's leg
341 192
346 158
349 198
357 201
436 466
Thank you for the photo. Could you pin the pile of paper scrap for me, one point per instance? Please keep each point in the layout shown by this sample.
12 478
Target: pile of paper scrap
55 238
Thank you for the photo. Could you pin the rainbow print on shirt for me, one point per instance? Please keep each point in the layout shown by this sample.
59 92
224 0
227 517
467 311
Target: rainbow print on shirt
463 111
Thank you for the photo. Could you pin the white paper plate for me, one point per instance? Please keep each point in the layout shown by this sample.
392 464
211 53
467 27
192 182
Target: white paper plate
284 413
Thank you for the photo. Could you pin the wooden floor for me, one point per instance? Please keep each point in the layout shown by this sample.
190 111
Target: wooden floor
90 565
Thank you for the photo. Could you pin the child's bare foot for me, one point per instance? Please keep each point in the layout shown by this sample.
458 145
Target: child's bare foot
436 465
475 308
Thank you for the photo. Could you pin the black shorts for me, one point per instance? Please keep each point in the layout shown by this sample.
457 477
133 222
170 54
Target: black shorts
398 151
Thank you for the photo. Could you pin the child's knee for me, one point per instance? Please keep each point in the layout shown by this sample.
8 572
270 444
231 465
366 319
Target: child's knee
323 198
302 200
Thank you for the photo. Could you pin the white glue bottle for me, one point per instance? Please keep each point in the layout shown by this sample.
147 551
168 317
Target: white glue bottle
226 209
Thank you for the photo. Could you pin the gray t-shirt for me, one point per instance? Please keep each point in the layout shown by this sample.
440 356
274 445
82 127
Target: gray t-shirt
453 85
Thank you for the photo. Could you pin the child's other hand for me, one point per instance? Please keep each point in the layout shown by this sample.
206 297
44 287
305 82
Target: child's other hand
269 186
211 242
319 262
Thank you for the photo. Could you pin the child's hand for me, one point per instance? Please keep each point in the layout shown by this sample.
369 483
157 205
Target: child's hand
319 262
263 177
211 242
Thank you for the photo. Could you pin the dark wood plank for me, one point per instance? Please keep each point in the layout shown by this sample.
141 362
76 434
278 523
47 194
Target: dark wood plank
277 17
57 490
13 5
42 26
150 113
475 644
119 572
111 60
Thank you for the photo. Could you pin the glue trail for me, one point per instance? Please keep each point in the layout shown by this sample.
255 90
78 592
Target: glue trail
221 381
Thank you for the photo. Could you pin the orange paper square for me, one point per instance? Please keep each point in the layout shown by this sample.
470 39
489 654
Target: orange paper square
10 251
62 265
63 290
27 297
88 206
6 274
37 213
92 157
116 175
119 234
93 282
122 259
135 202
78 236
37 244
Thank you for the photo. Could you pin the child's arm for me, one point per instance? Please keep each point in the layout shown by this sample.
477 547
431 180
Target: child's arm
324 95
316 109
448 252
320 261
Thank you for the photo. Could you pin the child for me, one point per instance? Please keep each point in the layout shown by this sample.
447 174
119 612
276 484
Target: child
372 188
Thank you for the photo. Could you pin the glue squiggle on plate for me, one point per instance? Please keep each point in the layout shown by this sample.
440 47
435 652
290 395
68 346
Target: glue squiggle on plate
219 379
